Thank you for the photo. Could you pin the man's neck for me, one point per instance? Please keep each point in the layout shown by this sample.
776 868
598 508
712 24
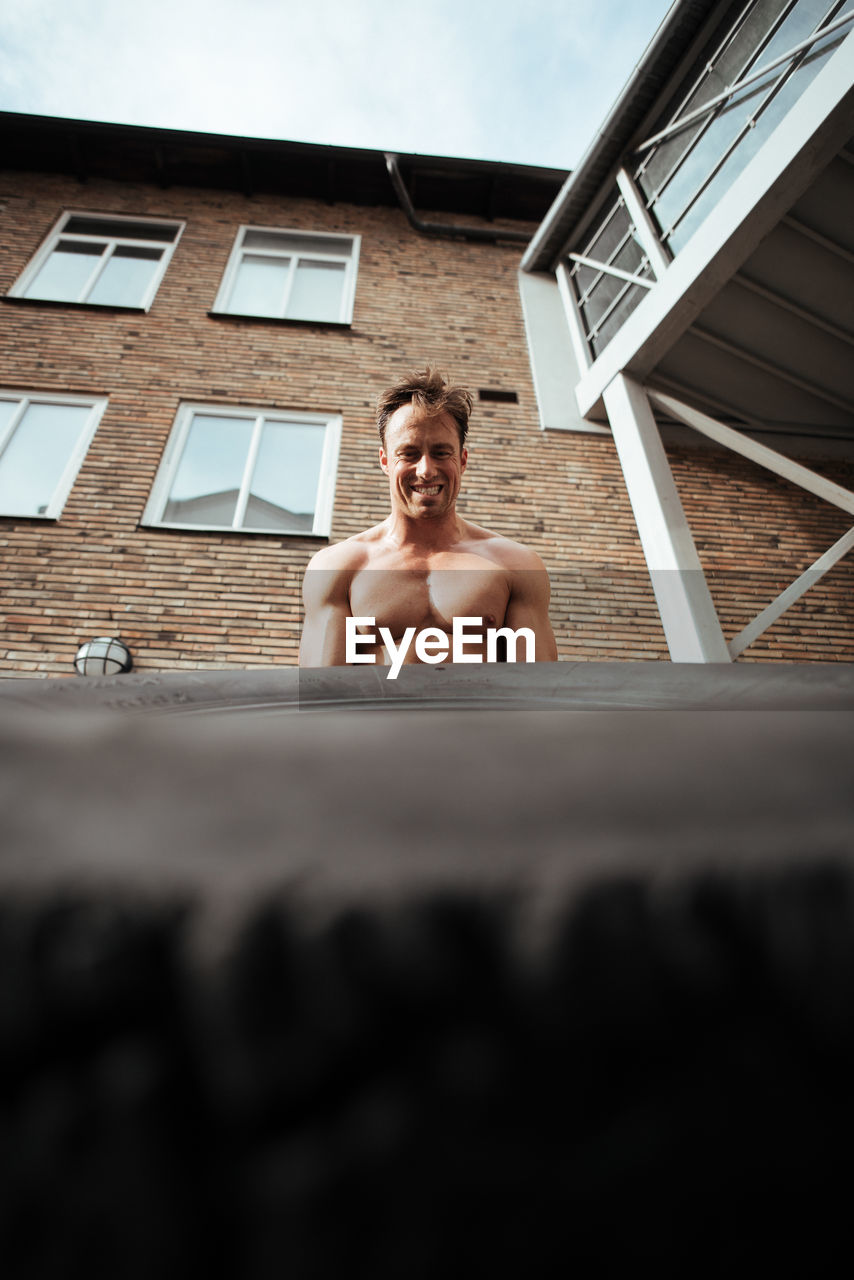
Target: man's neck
425 535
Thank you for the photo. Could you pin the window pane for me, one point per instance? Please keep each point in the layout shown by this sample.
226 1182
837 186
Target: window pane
316 294
731 63
284 485
8 409
720 134
609 287
582 276
805 67
35 458
288 242
66 271
125 279
631 298
259 289
659 162
600 298
772 114
119 229
744 53
631 258
207 483
611 232
747 50
750 35
708 140
800 23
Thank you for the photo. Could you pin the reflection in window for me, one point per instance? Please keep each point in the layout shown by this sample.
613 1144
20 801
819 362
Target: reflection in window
42 443
603 276
284 479
290 275
127 276
102 261
66 272
260 286
207 483
317 290
685 174
264 472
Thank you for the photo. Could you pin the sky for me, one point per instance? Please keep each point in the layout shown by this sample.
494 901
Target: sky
521 81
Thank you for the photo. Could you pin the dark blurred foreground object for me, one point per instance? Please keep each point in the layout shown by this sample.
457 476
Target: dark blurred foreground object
426 993
404 1094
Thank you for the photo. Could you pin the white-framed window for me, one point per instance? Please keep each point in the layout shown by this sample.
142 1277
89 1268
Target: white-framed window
253 470
101 259
290 275
43 440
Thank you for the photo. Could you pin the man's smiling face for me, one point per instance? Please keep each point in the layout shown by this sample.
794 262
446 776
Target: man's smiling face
423 461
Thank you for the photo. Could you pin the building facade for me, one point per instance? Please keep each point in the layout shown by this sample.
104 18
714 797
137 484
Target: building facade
194 330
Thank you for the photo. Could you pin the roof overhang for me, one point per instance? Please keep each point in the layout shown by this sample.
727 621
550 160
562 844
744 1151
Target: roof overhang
86 149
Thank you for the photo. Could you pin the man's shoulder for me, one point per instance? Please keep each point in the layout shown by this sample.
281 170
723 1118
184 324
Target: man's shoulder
501 550
351 554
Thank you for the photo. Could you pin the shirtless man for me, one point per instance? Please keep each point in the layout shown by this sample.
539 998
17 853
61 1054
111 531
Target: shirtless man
424 565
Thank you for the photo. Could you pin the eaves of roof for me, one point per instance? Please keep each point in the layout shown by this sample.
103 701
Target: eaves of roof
170 157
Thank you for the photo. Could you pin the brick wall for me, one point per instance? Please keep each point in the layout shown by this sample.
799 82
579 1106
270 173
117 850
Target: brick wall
755 533
204 600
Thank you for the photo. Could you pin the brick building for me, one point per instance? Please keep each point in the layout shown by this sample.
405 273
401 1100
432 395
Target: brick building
131 550
194 329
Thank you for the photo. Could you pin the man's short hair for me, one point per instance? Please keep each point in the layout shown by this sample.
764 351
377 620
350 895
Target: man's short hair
430 392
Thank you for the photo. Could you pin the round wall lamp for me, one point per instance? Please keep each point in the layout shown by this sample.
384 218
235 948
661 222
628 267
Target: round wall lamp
103 657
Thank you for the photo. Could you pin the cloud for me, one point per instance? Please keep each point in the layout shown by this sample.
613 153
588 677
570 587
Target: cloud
454 77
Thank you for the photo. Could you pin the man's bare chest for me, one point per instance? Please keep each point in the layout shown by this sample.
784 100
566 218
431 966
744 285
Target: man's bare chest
431 595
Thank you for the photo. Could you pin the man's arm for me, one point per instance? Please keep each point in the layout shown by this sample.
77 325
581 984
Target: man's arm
326 596
528 605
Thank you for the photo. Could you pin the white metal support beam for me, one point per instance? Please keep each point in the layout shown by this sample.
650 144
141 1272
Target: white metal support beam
647 232
688 614
778 607
787 470
814 129
756 452
605 267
